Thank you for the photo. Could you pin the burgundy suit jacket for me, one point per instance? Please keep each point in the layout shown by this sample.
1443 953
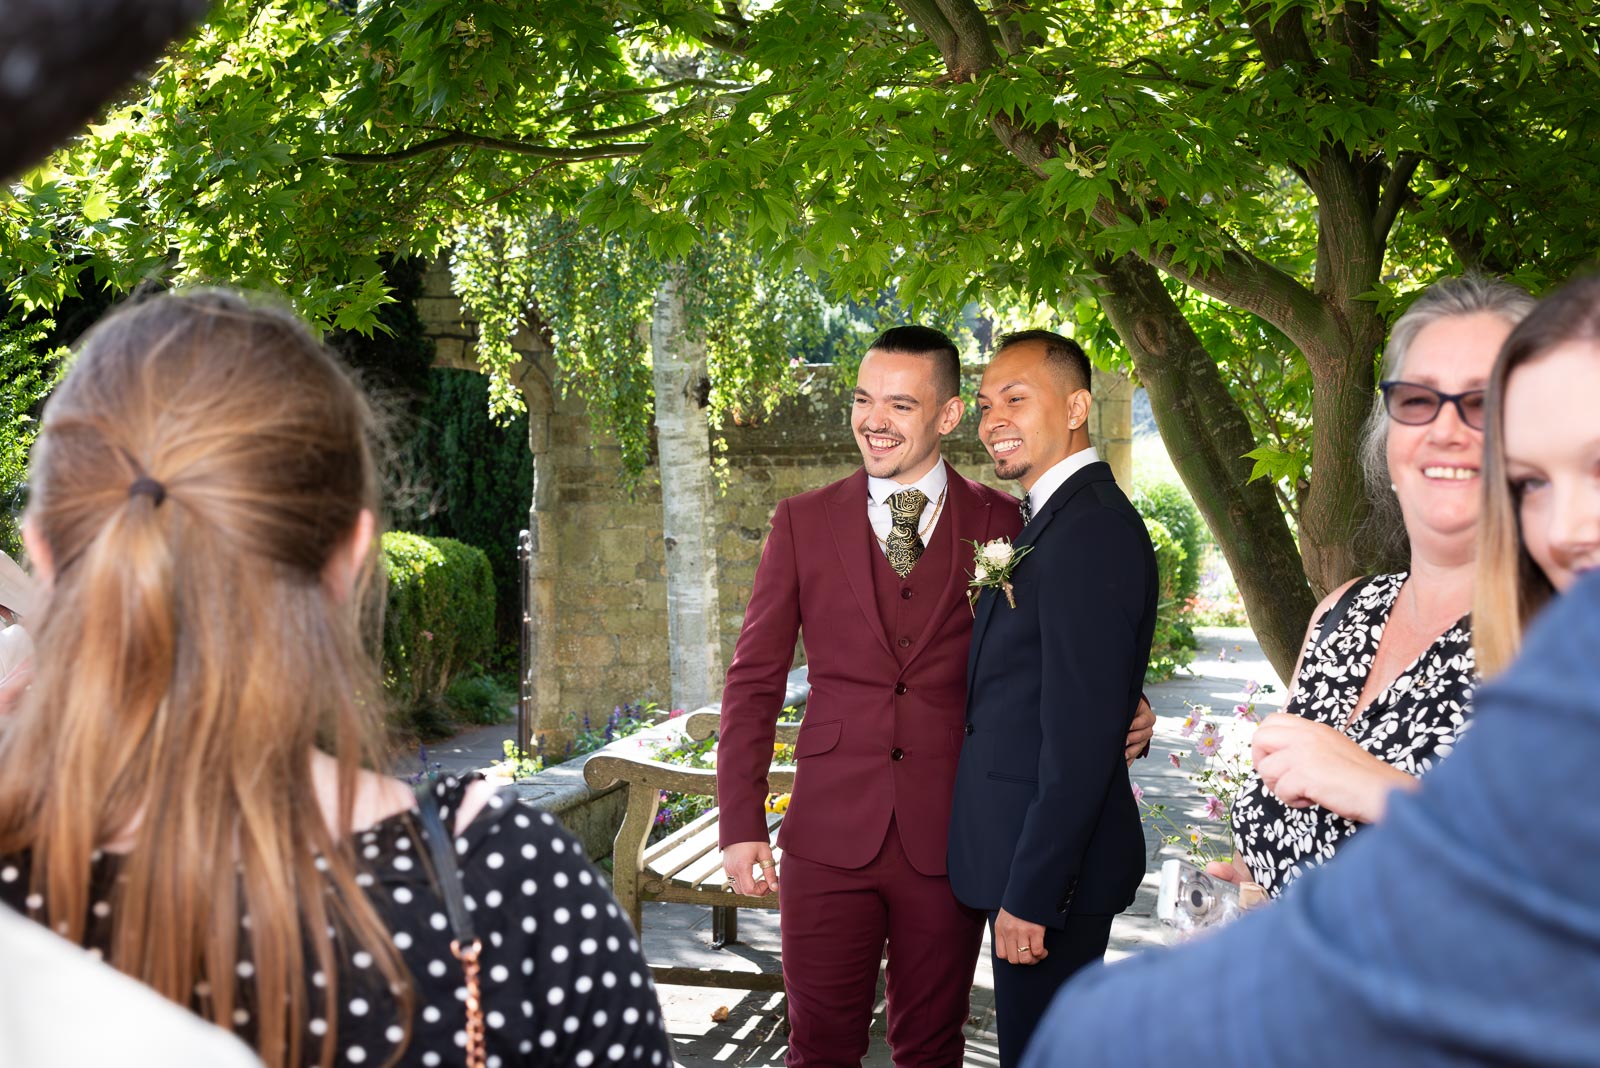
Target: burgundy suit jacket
815 579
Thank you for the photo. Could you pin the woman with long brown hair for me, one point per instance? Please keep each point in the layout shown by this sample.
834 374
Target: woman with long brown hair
1541 511
186 787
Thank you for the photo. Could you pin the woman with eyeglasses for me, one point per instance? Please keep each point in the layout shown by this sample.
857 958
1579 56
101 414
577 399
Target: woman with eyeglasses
1384 682
1541 523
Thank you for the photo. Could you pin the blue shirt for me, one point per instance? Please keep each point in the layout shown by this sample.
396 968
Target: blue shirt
1464 930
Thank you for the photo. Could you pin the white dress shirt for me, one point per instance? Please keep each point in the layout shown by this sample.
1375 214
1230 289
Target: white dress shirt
1051 480
879 490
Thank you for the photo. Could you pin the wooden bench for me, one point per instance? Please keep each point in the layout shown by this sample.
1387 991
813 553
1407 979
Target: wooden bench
685 866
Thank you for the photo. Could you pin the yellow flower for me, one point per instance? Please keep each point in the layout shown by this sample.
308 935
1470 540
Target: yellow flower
778 803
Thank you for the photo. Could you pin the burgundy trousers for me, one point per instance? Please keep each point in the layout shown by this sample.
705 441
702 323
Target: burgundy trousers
836 923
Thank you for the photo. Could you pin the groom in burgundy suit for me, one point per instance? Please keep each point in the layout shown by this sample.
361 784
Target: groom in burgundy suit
873 570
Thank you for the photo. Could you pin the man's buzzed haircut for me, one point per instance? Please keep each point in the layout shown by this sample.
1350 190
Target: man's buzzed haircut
935 345
1062 353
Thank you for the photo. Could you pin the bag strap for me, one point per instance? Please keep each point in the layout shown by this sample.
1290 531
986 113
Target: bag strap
465 946
1336 612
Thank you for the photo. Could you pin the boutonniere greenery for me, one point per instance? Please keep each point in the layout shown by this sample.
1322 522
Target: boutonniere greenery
992 564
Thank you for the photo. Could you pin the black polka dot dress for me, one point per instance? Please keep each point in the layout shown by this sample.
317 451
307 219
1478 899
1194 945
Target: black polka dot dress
563 979
1411 725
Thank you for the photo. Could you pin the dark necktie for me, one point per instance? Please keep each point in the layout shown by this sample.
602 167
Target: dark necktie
1025 506
903 545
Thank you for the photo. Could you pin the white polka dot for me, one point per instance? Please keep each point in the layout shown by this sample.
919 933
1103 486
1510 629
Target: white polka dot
556 995
521 820
613 944
547 1039
240 1017
402 895
496 938
34 902
529 886
588 946
529 851
584 984
608 980
431 1059
588 911
527 967
583 1058
558 845
431 1014
461 1039
635 980
546 819
561 915
559 954
492 899
527 1008
630 1015
461 845
492 1062
362 959
495 1020
472 905
318 979
402 940
8 874
570 1025
364 880
102 909
655 1058
319 1027
496 801
245 969
402 863
585 878
494 860
355 1054
402 843
525 1046
436 968
371 852
600 1017
611 910
560 878
321 863
438 922
529 923
394 1034
499 973
616 1051
358 1006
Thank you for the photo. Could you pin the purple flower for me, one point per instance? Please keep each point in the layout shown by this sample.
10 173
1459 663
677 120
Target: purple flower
1214 808
1242 711
1251 687
1138 793
1208 745
1175 760
1190 722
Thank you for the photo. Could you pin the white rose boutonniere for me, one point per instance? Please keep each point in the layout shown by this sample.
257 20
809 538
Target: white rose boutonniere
992 564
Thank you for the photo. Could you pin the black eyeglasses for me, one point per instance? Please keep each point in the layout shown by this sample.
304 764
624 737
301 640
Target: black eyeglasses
1414 404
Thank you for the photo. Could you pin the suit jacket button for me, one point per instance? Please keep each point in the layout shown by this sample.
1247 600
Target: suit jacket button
897 753
905 643
900 687
905 593
968 729
1061 907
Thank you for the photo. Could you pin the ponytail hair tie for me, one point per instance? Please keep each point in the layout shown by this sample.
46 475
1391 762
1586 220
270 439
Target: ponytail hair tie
146 484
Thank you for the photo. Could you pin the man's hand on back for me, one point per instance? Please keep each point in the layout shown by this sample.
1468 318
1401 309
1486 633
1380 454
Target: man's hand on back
1140 731
750 868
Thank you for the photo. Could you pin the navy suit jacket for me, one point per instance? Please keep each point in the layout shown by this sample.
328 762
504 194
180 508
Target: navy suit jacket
1044 823
1464 930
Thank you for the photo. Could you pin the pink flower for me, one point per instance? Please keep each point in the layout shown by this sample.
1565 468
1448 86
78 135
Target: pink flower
675 713
1251 687
1175 760
1190 722
1215 809
1242 711
1208 745
427 635
1138 792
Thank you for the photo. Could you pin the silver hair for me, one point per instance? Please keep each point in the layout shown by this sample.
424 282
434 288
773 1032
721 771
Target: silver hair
1471 294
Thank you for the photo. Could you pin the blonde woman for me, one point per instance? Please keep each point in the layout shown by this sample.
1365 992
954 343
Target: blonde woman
184 787
1541 513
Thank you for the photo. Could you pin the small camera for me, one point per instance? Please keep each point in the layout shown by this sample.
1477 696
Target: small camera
1190 900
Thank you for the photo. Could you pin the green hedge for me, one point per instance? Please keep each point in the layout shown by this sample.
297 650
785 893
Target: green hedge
439 619
1179 536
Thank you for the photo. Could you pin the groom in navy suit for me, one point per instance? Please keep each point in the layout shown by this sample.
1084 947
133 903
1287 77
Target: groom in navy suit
1045 835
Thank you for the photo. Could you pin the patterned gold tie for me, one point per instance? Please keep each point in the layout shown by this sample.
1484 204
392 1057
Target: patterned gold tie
903 544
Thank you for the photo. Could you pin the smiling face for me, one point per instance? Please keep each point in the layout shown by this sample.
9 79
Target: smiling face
1435 467
898 417
1030 417
1552 445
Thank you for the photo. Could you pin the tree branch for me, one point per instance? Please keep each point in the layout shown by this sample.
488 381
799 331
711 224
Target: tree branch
1396 191
927 17
1281 43
459 139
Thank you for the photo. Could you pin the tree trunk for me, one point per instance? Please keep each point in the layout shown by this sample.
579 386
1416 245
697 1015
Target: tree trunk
678 357
1207 435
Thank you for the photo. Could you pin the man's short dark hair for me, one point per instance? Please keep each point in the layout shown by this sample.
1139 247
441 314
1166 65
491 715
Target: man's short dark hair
934 344
1063 353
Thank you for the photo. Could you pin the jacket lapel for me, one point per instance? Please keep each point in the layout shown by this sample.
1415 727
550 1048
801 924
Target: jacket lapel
968 516
1095 472
852 536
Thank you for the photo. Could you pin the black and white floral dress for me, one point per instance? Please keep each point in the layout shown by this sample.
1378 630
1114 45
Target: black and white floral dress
564 982
1411 725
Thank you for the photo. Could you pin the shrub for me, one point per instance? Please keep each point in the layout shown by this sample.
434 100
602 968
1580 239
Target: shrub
439 620
1171 505
1174 644
475 697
